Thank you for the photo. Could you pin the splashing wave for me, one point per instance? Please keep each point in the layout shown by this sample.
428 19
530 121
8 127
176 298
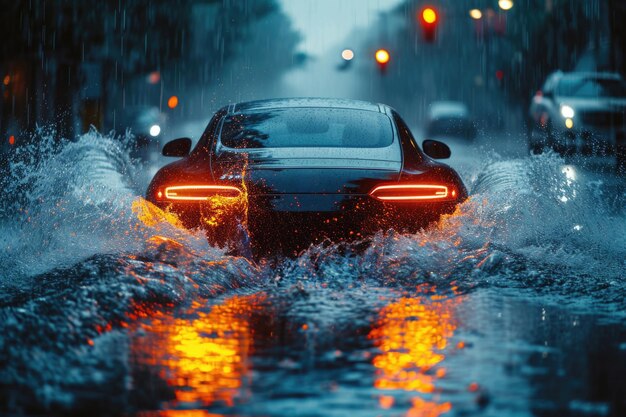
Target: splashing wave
85 255
73 200
67 200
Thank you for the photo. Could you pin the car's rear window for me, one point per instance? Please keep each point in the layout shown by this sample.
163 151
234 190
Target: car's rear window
307 127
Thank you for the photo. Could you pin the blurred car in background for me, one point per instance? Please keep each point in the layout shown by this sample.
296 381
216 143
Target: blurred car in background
580 112
449 120
147 124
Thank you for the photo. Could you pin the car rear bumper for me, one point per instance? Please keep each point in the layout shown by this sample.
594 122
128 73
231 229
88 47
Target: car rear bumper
287 224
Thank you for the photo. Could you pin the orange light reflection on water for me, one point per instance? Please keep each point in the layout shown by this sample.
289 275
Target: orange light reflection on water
150 215
178 413
412 335
203 356
220 216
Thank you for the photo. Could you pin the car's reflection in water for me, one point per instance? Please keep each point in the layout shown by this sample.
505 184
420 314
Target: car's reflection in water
204 357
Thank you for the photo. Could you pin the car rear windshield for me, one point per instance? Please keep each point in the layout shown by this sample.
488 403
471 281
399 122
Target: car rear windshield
589 87
307 127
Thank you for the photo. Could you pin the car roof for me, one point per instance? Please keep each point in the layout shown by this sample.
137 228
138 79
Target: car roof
282 103
589 74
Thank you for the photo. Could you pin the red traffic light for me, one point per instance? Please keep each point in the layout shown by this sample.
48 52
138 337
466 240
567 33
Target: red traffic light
429 18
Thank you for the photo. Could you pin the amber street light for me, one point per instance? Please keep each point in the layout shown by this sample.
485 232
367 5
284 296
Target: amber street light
382 56
476 14
505 4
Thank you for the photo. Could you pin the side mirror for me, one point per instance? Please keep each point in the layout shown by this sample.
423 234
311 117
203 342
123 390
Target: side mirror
436 149
177 147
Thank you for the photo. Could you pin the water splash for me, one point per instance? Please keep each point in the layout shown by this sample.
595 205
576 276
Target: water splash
73 200
102 257
64 201
531 223
549 212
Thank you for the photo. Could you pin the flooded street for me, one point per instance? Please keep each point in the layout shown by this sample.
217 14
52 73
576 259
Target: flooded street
503 308
422 353
509 303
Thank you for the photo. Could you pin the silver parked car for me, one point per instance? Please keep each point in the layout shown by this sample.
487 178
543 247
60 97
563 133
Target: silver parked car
580 112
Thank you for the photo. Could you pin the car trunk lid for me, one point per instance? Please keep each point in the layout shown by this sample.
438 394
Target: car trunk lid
308 171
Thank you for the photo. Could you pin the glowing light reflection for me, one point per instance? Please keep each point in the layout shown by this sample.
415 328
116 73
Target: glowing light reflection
204 359
177 413
150 215
569 172
569 189
412 336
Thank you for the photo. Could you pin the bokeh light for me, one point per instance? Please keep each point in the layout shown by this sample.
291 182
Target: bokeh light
154 77
505 4
476 14
172 102
382 56
155 130
429 15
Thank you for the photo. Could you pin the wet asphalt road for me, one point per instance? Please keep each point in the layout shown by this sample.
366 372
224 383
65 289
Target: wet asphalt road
513 306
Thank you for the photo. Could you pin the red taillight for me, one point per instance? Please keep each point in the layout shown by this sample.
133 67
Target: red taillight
198 192
413 192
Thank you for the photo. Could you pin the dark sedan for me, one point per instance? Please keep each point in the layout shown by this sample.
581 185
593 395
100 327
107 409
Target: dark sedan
284 173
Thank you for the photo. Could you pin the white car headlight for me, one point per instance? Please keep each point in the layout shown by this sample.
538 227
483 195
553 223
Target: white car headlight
155 130
567 112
